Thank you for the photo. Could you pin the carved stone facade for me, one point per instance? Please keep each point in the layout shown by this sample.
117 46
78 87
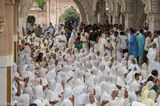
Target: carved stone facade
52 11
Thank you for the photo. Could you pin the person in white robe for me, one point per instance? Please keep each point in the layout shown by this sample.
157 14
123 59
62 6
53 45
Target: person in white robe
108 47
72 39
84 40
152 57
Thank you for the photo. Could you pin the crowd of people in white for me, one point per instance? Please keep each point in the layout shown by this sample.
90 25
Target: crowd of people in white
90 65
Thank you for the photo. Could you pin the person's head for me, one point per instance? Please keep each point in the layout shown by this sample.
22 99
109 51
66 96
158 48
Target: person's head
149 85
132 31
115 33
56 62
33 104
141 31
98 53
23 41
112 59
154 73
149 34
78 34
154 45
114 93
125 93
150 78
155 34
108 34
133 61
91 98
137 76
122 33
62 33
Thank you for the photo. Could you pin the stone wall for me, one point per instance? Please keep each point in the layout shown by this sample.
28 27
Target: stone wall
52 11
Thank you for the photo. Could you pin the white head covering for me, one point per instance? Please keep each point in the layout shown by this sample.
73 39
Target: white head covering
51 84
24 100
38 92
137 104
105 97
67 93
67 102
120 82
39 102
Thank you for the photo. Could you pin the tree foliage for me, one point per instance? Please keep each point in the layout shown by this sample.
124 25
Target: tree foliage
41 3
69 15
31 20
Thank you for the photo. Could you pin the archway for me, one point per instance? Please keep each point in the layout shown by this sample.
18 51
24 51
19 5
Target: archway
69 14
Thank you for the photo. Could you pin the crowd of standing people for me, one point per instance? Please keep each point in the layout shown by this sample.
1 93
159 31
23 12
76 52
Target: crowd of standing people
87 65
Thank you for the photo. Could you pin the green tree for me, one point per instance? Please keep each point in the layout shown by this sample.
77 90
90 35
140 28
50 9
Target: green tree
41 3
69 15
31 19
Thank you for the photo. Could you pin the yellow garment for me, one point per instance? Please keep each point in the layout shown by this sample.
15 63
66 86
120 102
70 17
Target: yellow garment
144 95
121 101
149 102
37 64
146 89
37 51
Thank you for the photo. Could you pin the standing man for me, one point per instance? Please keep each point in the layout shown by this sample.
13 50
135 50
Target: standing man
133 44
141 43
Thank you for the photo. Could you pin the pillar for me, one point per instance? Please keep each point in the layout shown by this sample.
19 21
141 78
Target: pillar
102 11
129 20
130 14
154 16
6 50
48 11
92 17
116 19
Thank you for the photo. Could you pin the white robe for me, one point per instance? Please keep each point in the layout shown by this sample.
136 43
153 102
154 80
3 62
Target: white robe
153 64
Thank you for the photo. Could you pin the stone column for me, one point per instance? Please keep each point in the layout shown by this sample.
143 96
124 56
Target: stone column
154 16
48 11
6 50
92 17
129 20
102 11
16 30
130 13
22 24
116 12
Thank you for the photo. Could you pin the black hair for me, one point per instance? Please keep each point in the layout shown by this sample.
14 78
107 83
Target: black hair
132 30
141 30
154 73
78 34
136 74
121 33
33 104
150 78
148 33
116 33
